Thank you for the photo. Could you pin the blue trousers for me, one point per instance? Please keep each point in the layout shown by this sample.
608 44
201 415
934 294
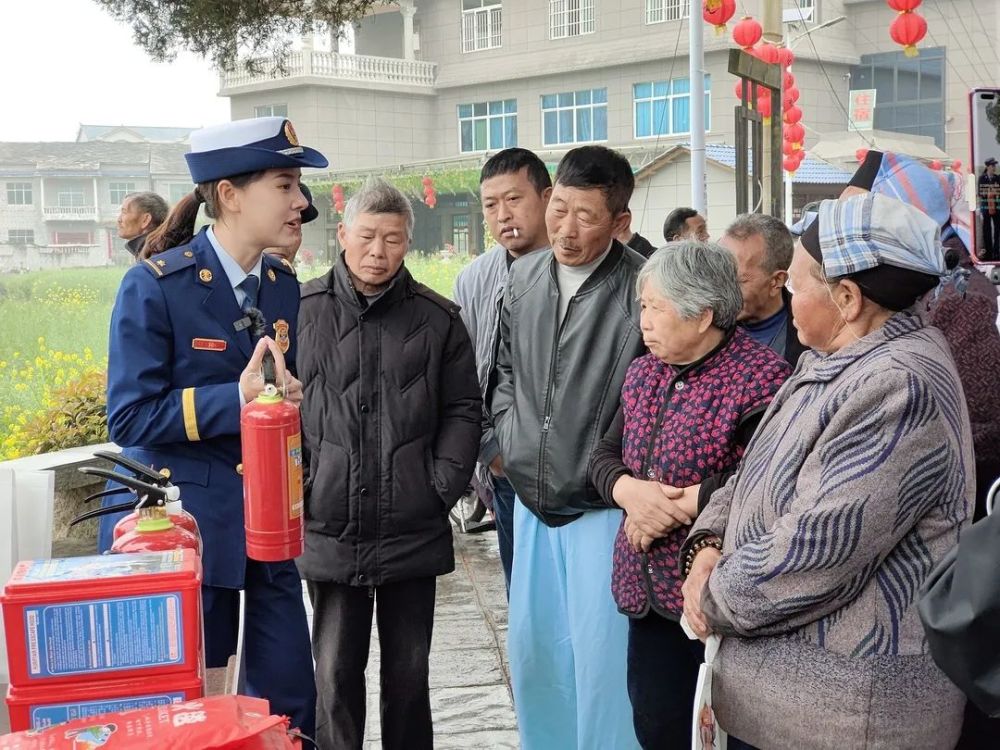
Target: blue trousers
566 641
276 645
503 512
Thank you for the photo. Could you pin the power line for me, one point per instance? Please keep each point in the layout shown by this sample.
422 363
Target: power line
967 33
667 103
982 25
829 81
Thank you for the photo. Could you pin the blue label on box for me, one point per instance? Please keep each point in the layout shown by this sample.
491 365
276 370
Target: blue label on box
103 566
60 713
104 635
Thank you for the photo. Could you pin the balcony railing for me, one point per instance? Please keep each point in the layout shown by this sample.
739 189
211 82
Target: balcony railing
70 213
336 66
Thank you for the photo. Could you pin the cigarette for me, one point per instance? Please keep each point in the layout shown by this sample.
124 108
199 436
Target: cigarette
514 230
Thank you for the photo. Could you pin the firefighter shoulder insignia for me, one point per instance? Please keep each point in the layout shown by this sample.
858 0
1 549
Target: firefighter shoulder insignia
281 335
271 274
166 263
205 275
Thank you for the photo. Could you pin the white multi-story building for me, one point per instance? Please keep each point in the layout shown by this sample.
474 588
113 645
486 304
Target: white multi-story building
446 82
59 202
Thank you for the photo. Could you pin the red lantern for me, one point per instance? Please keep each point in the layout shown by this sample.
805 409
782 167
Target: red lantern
430 196
861 154
787 148
793 114
956 165
788 80
908 30
937 165
790 96
766 52
738 89
795 133
718 13
337 192
747 33
800 154
764 104
790 164
903 6
785 57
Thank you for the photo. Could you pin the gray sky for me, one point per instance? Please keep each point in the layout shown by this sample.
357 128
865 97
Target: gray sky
66 62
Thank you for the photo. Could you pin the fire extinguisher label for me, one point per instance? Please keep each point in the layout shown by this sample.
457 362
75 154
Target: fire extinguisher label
60 713
104 635
295 496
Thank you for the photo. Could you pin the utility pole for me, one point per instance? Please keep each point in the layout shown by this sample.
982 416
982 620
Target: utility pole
773 28
696 76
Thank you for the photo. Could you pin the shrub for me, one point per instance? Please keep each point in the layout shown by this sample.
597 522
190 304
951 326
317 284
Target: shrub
75 414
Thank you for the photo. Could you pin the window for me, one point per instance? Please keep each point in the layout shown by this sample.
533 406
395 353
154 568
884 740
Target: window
910 91
21 236
271 110
570 18
658 11
19 194
119 190
176 191
72 238
70 199
664 107
488 126
481 22
460 233
575 117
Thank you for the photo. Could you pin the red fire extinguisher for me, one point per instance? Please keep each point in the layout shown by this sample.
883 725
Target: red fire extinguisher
175 509
272 473
153 530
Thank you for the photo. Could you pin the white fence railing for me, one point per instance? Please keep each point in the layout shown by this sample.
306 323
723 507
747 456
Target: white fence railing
339 66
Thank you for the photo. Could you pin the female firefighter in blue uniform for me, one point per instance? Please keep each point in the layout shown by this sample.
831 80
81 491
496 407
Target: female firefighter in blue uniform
182 361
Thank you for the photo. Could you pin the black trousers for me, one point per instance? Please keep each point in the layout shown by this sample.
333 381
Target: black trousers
342 621
991 235
662 675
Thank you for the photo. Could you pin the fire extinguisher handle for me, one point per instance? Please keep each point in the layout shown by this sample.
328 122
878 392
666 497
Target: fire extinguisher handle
106 493
102 512
131 482
140 470
269 369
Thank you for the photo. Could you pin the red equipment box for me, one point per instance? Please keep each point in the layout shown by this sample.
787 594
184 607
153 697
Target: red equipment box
106 617
44 706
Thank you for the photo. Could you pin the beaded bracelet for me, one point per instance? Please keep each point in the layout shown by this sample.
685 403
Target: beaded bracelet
694 549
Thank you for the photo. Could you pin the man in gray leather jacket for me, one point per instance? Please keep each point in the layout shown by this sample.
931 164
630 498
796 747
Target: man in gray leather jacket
514 187
569 330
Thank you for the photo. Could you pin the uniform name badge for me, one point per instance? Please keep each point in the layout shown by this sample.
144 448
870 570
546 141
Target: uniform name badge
281 336
209 345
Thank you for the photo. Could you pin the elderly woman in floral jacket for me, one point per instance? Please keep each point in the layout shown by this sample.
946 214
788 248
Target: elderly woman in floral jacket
859 479
688 409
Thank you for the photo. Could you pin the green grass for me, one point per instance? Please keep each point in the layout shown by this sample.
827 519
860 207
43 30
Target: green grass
54 325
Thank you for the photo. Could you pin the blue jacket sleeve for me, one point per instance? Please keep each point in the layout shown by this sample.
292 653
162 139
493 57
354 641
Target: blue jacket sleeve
145 406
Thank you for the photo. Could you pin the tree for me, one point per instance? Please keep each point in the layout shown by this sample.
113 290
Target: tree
223 30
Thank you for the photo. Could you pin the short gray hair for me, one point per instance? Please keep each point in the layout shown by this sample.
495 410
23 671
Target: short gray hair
694 277
778 242
377 196
149 203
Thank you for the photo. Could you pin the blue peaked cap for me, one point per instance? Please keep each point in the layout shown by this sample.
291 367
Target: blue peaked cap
245 146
